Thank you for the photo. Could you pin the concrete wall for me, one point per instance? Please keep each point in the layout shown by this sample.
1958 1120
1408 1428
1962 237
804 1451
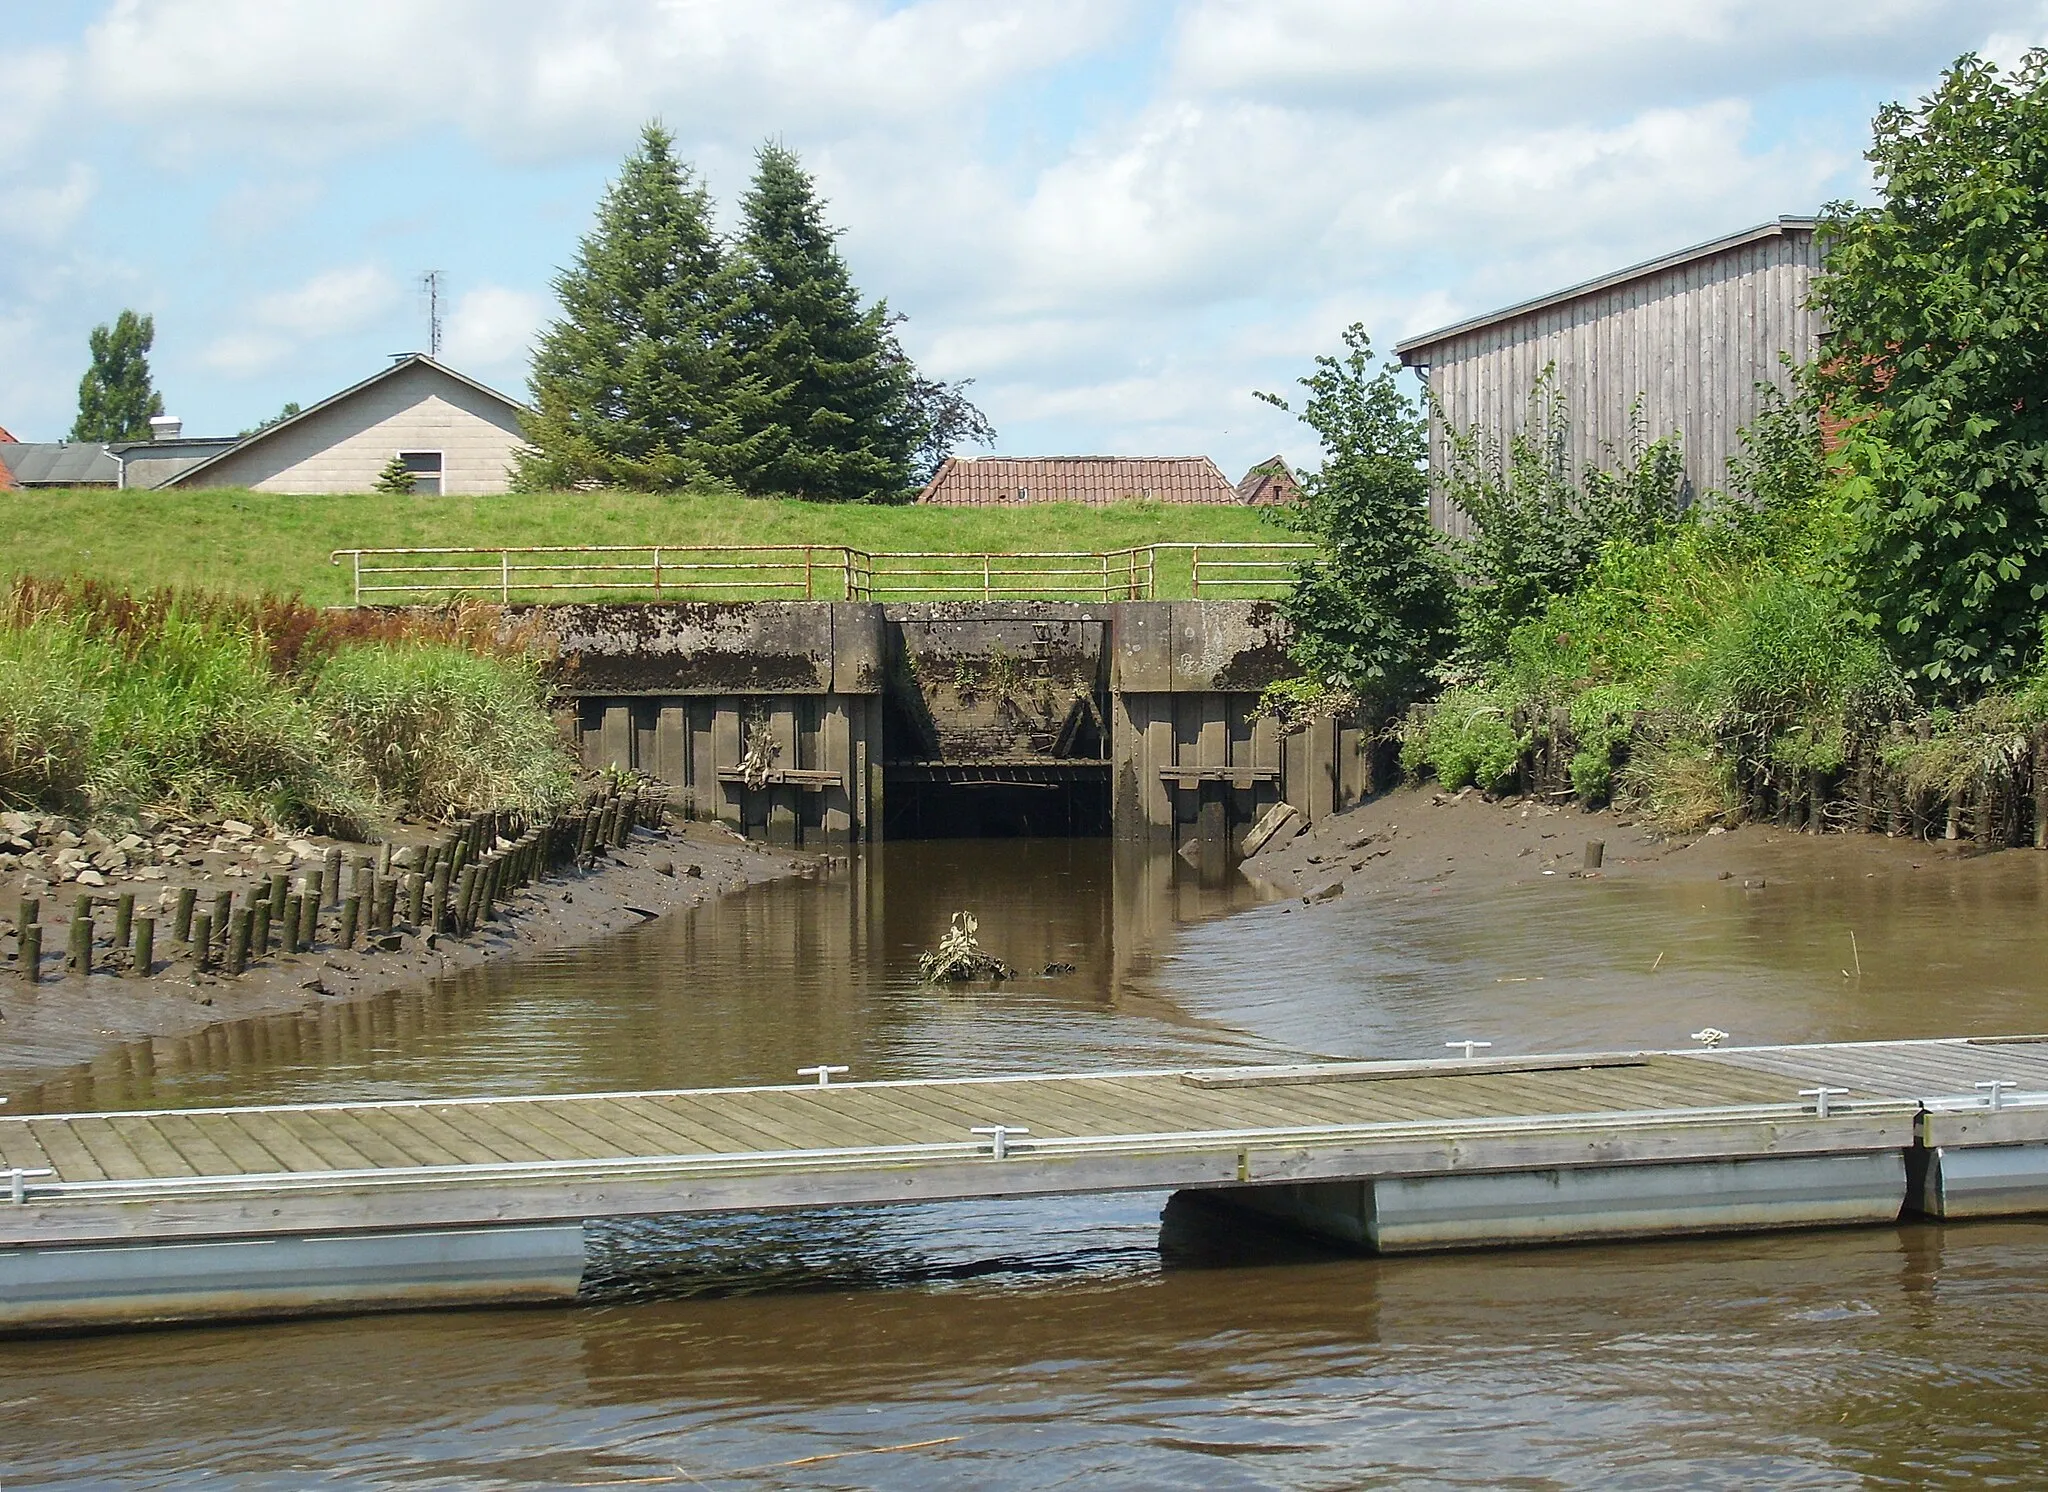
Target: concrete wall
343 447
844 688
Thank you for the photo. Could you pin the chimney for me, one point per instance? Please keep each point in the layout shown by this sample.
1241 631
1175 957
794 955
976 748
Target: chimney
165 427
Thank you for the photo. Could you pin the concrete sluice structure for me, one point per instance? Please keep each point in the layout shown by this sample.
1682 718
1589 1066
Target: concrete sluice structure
832 722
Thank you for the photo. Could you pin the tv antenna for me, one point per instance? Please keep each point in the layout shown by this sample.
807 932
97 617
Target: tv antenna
431 282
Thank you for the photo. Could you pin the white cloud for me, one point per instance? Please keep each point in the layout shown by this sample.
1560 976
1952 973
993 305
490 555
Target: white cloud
331 303
493 326
1567 53
334 303
534 78
43 212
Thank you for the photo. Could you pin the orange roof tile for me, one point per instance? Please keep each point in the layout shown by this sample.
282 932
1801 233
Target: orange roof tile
992 481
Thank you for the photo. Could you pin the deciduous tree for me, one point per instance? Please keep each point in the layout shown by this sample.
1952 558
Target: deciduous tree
116 398
1936 360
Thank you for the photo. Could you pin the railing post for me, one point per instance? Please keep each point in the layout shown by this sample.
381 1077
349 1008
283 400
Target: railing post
657 569
358 557
1105 577
807 573
505 576
1195 573
984 576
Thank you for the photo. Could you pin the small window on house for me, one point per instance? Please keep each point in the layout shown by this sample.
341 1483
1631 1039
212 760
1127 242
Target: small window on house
425 467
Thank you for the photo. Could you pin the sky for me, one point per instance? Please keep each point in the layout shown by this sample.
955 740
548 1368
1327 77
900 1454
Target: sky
1118 217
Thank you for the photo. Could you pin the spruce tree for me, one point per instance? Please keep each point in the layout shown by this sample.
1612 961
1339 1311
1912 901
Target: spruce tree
115 399
823 404
630 384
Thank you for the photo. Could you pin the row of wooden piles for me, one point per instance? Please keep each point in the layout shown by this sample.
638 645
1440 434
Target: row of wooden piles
452 886
2005 806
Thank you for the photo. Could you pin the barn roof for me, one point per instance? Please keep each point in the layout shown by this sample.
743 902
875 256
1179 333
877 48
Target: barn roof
1414 351
979 481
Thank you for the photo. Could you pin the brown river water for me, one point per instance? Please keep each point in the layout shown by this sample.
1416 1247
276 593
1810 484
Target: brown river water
1117 1341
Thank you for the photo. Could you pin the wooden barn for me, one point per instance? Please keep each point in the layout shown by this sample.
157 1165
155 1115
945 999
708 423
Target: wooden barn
1691 334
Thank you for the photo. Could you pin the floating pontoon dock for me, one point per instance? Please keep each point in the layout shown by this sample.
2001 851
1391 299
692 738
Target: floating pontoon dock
120 1218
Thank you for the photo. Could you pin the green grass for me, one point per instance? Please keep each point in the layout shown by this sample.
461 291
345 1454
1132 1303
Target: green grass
243 542
111 702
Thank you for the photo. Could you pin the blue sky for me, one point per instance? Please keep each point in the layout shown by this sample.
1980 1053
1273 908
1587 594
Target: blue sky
1118 216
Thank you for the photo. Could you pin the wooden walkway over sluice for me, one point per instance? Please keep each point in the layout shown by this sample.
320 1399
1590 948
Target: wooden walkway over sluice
121 1217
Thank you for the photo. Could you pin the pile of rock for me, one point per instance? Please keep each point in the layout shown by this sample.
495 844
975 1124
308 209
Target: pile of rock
48 851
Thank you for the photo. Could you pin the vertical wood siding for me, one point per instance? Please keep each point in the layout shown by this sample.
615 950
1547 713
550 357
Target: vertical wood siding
1692 340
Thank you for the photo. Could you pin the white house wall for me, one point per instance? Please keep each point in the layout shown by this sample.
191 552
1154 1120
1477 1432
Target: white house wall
342 448
1693 340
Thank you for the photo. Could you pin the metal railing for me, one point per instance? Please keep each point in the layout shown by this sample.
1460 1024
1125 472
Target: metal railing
811 572
752 571
1076 575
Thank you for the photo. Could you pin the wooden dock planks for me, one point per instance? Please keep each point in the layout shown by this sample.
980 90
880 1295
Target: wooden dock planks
576 1141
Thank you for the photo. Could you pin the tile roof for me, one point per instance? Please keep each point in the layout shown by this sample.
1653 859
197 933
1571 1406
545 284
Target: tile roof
1271 482
992 481
75 463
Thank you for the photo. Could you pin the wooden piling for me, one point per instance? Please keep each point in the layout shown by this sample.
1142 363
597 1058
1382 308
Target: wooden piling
330 878
28 938
78 958
415 897
241 930
259 931
181 920
202 941
387 903
124 917
437 900
145 948
351 914
309 915
1596 851
288 923
465 900
28 912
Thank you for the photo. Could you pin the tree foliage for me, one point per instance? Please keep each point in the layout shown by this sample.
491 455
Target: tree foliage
822 401
1936 360
1537 525
682 358
631 385
116 398
1373 611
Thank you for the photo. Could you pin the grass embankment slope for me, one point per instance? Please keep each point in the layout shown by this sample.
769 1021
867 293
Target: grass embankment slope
249 543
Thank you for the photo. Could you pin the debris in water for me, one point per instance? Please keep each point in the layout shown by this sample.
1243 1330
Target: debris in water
959 958
1057 968
1710 1038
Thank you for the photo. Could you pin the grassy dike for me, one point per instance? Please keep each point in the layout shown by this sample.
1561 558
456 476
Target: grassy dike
253 543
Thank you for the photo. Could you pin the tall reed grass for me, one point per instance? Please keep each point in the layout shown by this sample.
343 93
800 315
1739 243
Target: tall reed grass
267 709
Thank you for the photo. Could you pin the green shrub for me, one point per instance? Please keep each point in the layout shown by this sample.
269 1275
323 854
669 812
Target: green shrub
48 715
438 729
1466 737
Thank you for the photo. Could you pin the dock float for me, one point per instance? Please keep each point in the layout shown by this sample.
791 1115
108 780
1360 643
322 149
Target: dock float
124 1218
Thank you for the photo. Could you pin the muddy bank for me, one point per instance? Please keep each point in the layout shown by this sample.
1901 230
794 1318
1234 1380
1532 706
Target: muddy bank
1421 840
65 1019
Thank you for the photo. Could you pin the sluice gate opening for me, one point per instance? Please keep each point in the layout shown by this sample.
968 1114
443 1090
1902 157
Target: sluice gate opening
836 722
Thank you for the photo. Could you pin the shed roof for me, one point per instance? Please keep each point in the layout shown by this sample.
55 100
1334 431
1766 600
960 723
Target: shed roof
1414 351
993 480
74 463
382 375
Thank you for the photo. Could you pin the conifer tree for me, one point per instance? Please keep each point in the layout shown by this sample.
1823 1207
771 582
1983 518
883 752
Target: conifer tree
823 405
115 398
630 384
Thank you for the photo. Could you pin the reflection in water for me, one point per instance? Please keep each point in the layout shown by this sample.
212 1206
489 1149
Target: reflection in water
746 991
1085 1342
